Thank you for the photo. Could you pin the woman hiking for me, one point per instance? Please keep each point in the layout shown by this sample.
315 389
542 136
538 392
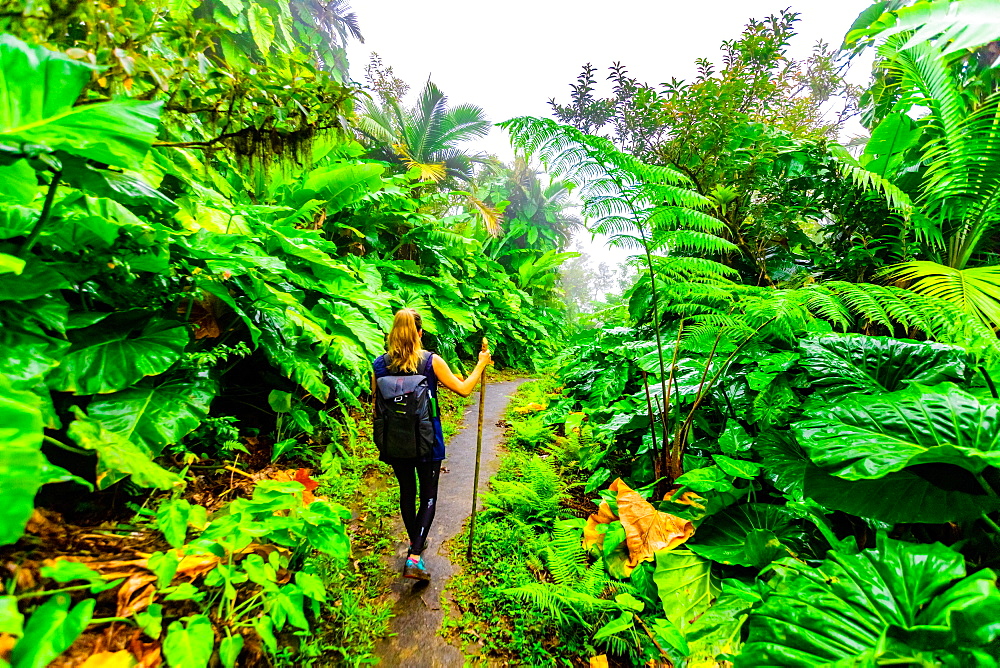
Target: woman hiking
407 425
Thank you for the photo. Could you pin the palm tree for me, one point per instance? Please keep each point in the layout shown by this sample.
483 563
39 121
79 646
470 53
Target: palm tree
425 137
334 24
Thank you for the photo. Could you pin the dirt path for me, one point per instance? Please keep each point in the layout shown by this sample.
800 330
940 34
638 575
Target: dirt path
418 611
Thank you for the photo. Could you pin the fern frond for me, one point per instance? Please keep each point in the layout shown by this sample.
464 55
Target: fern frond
305 213
562 604
565 557
975 291
691 241
861 301
826 306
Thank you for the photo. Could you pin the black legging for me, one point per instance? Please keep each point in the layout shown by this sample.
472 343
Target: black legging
417 521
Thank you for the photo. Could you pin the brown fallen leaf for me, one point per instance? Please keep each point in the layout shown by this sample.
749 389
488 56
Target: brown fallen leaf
647 530
149 654
122 659
299 476
591 536
129 602
302 476
23 574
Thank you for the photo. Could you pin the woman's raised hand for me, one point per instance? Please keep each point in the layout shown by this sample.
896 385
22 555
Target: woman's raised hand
485 357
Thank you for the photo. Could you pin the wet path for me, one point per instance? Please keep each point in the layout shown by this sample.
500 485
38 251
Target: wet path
418 612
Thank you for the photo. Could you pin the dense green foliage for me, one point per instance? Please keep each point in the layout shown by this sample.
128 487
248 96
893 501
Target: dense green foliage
201 248
779 445
831 442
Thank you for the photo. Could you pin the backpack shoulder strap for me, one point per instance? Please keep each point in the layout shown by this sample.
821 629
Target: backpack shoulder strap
429 364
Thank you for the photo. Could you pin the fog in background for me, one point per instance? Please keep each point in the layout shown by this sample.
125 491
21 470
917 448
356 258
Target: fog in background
510 58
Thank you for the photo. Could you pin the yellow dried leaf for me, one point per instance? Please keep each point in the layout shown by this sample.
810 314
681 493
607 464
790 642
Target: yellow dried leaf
529 408
193 565
647 530
591 536
688 498
7 643
599 661
122 659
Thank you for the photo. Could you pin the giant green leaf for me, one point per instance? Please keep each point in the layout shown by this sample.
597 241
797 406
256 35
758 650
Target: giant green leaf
916 594
21 459
903 496
889 141
952 26
50 631
38 89
118 457
34 280
25 357
846 363
717 631
609 385
115 353
751 534
684 584
16 221
261 27
351 321
340 185
20 182
190 644
156 414
11 264
455 312
867 438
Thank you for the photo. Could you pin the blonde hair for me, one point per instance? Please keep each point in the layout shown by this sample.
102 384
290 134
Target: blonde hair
404 341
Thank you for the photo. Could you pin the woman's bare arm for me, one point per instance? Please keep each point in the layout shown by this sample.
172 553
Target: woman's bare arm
452 382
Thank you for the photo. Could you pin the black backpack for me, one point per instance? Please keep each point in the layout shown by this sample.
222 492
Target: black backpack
404 408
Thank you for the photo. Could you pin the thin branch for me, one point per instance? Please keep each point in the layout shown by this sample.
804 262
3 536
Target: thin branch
44 216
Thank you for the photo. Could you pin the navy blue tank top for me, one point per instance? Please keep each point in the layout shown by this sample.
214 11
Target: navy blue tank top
381 368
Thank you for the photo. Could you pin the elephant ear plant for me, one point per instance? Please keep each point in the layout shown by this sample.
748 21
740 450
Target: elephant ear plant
913 456
45 139
43 134
897 604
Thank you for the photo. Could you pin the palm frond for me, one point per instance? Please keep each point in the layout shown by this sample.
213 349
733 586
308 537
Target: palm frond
947 25
975 290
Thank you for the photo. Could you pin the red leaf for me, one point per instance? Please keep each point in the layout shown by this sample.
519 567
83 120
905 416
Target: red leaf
302 475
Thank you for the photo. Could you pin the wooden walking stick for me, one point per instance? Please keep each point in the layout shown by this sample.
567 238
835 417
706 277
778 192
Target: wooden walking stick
479 452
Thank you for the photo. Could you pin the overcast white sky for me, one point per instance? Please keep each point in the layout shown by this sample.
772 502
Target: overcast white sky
511 57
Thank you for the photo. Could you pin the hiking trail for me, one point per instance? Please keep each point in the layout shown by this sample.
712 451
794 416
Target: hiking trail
417 613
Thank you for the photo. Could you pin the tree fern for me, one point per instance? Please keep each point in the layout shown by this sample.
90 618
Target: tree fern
624 194
960 189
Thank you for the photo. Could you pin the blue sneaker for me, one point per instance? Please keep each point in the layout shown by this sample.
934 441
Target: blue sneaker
415 569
